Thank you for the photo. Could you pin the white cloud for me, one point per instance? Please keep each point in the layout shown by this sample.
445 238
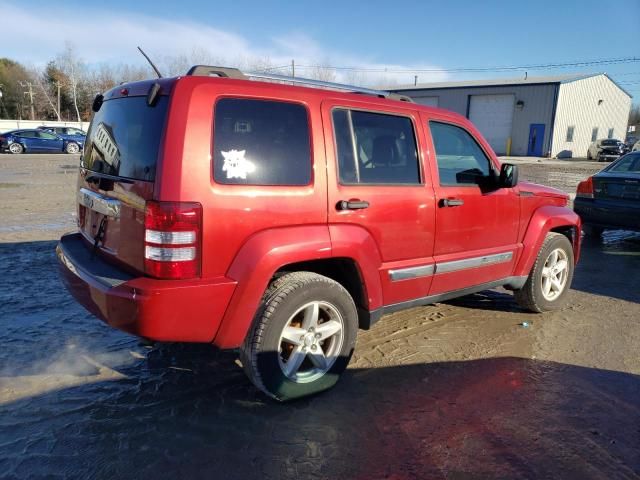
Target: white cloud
112 38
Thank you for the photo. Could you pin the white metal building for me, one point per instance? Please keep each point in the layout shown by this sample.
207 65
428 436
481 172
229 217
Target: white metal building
556 116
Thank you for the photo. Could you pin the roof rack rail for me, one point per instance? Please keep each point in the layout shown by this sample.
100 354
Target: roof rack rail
212 71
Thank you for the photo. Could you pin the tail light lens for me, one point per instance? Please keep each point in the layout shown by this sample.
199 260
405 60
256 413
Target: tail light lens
585 188
173 239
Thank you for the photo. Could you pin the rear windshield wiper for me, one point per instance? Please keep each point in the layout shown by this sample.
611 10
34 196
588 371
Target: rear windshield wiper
95 177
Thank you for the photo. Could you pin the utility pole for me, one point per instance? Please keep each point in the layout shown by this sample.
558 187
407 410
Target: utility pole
2 102
293 68
29 85
58 85
415 80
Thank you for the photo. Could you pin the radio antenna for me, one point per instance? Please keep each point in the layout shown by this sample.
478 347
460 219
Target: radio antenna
150 63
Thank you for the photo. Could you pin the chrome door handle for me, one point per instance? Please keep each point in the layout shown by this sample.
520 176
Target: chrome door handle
451 202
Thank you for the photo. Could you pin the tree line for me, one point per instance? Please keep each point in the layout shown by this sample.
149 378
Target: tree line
65 87
62 90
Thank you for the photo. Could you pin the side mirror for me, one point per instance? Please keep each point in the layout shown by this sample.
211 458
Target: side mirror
508 176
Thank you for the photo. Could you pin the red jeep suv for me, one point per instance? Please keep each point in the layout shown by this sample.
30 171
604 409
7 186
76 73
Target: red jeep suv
279 215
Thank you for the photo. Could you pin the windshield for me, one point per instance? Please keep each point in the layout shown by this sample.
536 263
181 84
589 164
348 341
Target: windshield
610 143
124 138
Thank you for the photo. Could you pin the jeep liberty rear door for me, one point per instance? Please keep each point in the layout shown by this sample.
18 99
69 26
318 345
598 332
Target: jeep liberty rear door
378 192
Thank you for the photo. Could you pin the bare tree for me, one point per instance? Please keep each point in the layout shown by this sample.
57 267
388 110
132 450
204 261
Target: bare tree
44 100
322 72
73 67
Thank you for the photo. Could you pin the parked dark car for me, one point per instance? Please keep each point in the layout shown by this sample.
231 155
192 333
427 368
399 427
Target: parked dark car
68 133
608 149
36 141
610 199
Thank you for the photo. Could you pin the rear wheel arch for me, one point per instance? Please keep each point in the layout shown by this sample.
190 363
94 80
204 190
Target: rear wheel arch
343 270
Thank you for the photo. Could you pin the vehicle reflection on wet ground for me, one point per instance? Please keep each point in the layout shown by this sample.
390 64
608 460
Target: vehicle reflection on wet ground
80 400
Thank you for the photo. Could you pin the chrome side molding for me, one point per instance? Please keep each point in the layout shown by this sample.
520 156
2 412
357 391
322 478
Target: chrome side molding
99 203
445 267
411 272
473 262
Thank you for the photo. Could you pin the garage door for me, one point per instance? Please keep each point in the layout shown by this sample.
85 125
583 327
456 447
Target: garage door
428 101
493 116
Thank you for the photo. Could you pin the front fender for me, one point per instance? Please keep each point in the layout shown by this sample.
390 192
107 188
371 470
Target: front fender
544 220
253 267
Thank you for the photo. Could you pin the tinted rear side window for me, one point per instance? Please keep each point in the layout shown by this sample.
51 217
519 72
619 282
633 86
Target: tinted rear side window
375 148
258 142
124 138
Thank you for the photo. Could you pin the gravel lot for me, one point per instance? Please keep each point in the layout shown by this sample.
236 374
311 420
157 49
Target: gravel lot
456 390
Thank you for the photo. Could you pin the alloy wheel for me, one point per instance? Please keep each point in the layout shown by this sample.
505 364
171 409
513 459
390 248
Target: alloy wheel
311 342
554 274
15 148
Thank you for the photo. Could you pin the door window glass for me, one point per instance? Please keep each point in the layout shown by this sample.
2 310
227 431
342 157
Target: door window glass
47 136
460 159
375 148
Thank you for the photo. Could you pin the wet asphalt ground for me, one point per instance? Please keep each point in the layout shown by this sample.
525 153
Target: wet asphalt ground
459 390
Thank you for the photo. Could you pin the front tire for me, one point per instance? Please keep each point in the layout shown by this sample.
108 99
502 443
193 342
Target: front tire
16 148
550 278
589 157
303 336
72 148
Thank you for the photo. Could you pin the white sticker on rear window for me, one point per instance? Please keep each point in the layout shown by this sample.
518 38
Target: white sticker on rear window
236 165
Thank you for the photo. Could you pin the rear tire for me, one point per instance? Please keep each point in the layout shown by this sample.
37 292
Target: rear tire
550 278
303 336
16 148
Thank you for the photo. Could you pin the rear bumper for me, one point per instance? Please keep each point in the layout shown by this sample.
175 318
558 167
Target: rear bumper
608 213
164 310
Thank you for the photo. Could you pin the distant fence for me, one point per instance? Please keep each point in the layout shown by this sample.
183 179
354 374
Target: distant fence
6 125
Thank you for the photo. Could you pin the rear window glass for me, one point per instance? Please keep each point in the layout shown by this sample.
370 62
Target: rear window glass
629 163
124 138
258 142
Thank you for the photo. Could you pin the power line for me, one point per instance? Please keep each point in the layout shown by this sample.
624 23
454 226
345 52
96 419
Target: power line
504 68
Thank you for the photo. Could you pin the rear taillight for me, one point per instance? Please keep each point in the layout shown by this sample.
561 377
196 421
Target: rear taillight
585 188
172 239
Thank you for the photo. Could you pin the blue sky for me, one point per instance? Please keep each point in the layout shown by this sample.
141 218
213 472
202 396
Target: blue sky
400 34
